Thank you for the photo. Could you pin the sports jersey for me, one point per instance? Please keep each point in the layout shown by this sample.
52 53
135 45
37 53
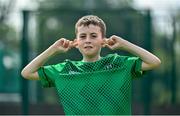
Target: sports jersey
102 87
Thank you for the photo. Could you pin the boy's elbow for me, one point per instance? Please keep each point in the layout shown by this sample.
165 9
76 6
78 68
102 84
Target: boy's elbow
157 63
152 65
24 74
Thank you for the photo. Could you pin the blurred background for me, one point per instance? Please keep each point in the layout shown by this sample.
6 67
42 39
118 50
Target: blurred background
28 27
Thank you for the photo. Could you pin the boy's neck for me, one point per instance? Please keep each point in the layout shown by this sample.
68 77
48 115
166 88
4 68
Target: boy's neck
91 59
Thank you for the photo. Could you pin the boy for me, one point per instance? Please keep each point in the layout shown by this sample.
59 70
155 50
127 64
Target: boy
95 85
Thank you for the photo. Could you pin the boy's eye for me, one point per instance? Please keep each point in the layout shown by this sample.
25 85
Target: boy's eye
83 36
94 36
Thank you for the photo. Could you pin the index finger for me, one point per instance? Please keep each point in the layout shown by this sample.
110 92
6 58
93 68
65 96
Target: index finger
73 43
106 40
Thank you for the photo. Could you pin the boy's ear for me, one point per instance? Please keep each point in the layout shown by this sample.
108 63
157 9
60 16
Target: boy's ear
75 43
104 42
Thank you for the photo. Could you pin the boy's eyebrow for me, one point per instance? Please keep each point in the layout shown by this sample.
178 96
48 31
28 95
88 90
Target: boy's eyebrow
93 33
90 33
82 33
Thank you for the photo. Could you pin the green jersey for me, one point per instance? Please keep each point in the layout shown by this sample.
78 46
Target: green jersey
101 87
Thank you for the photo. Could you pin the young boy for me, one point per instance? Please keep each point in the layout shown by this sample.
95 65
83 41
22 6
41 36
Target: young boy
94 85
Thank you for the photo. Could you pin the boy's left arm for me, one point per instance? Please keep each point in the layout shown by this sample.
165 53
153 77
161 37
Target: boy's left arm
150 61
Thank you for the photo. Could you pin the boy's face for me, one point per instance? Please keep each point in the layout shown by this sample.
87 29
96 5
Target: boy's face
89 40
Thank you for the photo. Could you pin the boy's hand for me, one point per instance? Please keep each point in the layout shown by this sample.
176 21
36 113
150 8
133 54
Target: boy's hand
63 45
115 42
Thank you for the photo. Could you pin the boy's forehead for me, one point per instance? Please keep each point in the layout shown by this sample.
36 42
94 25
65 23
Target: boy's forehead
89 28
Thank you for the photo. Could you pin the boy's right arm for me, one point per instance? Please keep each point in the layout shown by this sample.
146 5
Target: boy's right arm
31 70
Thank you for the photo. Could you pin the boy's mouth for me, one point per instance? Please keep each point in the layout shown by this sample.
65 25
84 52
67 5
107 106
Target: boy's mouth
88 47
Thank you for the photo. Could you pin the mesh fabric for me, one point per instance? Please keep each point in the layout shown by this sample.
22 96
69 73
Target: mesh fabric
101 87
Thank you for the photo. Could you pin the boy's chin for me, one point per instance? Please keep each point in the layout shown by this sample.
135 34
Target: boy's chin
88 54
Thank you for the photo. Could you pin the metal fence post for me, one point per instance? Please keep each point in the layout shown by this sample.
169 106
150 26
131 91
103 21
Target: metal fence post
147 82
24 59
173 69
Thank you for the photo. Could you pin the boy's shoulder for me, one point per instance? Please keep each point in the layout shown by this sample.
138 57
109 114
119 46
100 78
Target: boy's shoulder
118 57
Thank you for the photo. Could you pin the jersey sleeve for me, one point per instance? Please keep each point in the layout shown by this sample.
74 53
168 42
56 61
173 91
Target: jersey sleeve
135 64
46 75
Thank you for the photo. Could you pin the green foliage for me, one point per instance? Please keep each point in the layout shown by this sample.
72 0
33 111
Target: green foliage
8 35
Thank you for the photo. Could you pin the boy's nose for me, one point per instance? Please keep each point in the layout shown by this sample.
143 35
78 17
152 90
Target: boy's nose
88 40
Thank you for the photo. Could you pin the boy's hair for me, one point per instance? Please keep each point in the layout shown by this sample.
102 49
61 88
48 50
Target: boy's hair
91 19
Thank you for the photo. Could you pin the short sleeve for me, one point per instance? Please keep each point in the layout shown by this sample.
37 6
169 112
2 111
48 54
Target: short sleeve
46 75
134 64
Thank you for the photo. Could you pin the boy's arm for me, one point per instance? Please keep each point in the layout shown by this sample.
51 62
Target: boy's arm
150 61
60 46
